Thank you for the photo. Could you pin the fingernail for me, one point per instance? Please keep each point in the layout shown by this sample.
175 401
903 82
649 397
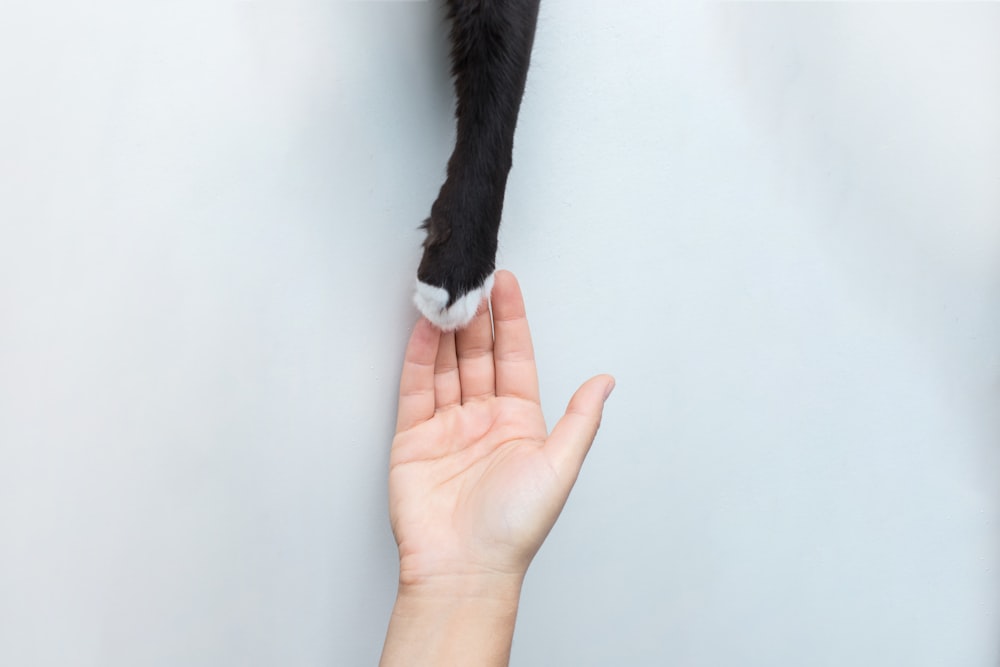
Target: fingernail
610 388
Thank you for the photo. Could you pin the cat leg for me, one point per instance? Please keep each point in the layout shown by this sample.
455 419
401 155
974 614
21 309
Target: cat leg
491 48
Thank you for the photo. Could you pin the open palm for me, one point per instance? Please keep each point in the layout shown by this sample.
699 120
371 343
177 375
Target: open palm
476 481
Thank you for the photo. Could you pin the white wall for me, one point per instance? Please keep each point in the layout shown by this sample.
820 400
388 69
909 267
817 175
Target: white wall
776 224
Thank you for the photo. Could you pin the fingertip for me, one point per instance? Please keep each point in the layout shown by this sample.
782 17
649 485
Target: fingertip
504 276
424 332
505 286
423 344
423 324
507 300
609 387
590 397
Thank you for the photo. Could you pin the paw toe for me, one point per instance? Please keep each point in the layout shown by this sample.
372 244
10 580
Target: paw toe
433 301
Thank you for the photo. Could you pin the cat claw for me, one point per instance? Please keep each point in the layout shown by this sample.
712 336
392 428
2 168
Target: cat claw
432 302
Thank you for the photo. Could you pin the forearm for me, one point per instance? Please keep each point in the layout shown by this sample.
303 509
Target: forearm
445 626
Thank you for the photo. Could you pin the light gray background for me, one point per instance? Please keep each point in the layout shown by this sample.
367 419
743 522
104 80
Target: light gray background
777 225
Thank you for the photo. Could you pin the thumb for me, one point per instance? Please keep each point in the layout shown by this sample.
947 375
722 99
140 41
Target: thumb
571 438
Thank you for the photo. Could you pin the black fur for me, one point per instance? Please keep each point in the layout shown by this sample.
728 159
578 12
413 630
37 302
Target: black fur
491 49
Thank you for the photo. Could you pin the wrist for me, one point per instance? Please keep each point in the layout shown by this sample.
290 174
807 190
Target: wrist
497 589
458 620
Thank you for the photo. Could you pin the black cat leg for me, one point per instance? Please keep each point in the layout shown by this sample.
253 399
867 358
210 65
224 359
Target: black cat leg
491 49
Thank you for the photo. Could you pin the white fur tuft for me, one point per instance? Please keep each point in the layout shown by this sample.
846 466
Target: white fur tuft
433 303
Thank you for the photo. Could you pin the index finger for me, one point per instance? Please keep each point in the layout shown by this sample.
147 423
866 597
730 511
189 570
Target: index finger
416 384
514 356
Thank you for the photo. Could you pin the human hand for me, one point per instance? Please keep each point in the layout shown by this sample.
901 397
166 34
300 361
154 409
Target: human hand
476 481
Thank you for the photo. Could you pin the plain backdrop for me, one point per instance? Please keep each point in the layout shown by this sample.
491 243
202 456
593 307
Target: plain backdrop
778 225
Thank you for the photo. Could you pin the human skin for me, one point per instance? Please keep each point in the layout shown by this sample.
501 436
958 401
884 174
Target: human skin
476 482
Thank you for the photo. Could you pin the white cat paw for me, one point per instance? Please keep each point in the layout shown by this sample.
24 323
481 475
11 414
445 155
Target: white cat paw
432 302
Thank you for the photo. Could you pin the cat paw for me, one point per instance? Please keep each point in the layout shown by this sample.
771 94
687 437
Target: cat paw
433 302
